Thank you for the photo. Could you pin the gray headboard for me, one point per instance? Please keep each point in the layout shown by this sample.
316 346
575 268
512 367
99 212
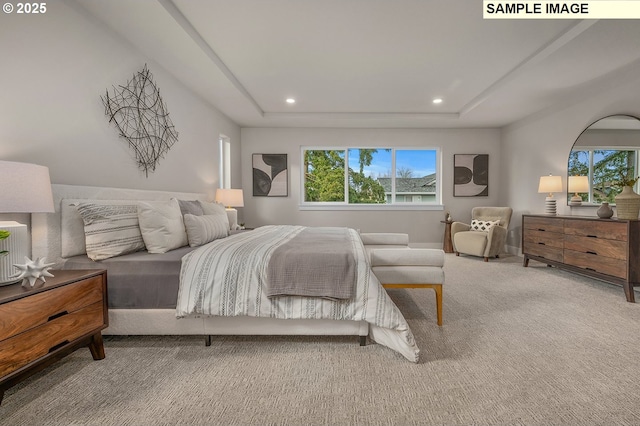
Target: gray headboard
46 229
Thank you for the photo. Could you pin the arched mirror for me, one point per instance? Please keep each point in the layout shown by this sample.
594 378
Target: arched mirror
605 153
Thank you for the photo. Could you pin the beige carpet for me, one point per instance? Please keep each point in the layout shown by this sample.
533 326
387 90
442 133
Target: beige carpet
530 346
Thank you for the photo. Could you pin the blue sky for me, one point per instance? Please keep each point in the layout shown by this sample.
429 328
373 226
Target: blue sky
422 162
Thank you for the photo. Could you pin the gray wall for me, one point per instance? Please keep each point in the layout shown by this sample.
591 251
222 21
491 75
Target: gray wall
540 144
54 69
423 226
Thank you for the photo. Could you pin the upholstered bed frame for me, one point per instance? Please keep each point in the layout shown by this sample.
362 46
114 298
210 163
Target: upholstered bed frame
48 236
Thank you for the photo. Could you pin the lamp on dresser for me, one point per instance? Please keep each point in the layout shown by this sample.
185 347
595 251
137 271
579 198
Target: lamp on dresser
577 184
231 198
550 184
24 188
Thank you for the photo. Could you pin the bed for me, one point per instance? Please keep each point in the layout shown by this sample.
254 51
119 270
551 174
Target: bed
146 294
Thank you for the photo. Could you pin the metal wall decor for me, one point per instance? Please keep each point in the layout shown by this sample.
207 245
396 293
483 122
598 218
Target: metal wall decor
141 116
470 175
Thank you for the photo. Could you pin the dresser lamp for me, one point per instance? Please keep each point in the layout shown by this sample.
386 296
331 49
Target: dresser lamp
24 188
231 198
550 184
577 184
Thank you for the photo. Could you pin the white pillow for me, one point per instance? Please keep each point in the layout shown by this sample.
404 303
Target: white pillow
483 225
204 229
110 230
161 225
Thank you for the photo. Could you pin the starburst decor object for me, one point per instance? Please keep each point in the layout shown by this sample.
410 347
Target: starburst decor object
33 270
141 116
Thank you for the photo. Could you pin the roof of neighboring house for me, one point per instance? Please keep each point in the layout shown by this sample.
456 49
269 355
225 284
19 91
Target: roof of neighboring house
423 184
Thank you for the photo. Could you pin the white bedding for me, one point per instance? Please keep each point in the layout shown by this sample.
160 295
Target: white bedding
228 276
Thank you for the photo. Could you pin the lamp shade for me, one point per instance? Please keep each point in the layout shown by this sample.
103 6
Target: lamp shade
25 188
578 184
230 197
550 184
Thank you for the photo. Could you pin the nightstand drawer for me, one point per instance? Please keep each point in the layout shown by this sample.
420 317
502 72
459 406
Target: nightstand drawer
35 343
595 229
601 264
24 314
597 246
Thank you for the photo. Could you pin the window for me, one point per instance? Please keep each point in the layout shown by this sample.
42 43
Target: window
606 167
370 176
225 162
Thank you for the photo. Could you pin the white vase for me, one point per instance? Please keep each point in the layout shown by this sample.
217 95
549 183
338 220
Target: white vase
627 204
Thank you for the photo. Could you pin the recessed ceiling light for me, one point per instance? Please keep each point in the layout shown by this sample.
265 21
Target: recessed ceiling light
437 100
291 101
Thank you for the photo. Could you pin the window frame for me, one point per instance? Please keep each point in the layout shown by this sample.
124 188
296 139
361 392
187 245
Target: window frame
345 205
590 151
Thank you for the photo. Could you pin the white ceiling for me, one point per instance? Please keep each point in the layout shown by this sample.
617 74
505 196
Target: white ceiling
372 63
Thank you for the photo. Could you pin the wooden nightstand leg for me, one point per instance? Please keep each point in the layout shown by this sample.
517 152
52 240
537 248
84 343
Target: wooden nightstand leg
96 346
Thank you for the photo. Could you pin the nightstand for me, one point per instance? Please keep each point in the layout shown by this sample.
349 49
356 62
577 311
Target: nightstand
40 325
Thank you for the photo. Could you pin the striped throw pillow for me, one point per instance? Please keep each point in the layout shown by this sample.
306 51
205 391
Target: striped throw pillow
110 230
206 228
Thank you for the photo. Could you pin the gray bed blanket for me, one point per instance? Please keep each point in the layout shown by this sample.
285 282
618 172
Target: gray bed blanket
318 262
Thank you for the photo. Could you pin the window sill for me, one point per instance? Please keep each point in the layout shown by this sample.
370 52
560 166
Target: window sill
370 207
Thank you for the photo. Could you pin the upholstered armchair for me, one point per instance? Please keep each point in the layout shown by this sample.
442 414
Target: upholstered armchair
485 236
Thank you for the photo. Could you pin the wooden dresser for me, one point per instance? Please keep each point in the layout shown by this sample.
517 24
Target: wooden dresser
41 325
606 249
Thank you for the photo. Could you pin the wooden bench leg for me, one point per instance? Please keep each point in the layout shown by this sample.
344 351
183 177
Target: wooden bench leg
436 287
438 290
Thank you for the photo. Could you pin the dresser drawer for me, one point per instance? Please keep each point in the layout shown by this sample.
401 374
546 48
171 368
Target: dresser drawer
35 343
24 314
543 224
601 264
596 246
551 253
544 238
597 229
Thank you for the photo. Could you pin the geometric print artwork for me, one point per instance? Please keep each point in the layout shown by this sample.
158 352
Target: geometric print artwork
141 116
270 175
471 175
483 225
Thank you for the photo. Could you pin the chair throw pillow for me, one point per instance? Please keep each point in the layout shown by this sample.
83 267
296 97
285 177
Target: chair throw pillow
110 230
483 225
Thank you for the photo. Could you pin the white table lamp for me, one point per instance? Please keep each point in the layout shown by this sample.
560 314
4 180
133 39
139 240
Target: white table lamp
550 184
577 184
24 188
231 198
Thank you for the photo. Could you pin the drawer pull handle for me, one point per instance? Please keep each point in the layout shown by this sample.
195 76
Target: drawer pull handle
58 315
541 243
58 346
592 252
592 236
540 229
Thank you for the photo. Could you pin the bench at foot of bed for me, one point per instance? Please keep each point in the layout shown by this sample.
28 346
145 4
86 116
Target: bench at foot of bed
410 268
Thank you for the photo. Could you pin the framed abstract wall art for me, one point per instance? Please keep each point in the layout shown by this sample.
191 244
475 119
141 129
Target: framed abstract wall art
270 178
470 175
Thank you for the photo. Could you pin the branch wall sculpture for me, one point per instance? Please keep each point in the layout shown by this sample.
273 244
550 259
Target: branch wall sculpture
141 116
